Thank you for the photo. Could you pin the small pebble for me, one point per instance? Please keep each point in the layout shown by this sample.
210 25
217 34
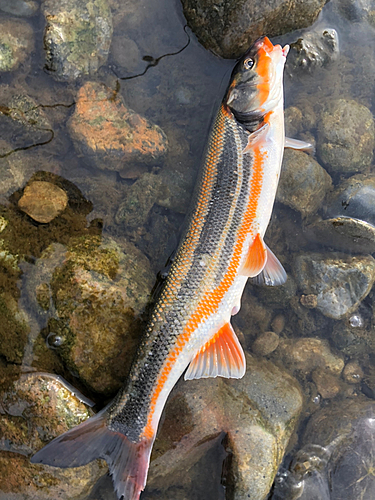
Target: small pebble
43 201
266 343
310 301
278 323
352 373
327 384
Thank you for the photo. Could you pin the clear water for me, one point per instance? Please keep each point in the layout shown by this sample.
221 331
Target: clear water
177 84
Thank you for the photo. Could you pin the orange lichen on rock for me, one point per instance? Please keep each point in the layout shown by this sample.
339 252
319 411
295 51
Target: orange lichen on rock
110 134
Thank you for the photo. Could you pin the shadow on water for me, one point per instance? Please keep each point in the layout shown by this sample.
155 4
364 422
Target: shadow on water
104 249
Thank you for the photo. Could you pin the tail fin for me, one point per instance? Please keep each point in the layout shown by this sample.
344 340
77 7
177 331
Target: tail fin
127 461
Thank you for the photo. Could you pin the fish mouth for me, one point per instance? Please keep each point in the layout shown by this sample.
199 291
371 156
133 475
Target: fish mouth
265 43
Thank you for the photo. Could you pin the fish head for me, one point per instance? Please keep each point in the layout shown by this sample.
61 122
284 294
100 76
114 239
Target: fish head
256 85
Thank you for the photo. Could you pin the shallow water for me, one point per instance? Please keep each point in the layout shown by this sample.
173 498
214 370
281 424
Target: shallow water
176 83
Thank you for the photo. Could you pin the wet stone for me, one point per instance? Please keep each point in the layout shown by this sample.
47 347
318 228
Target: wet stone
22 122
307 354
37 408
110 135
293 121
139 200
77 37
258 412
328 385
43 201
98 293
21 8
340 282
266 343
314 49
346 136
353 340
303 183
228 29
344 233
126 54
354 197
352 373
16 43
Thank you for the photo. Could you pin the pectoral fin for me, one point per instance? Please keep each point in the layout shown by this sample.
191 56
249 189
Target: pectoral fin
256 258
273 273
221 356
255 136
298 145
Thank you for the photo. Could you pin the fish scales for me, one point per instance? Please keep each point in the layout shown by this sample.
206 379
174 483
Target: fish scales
189 329
225 199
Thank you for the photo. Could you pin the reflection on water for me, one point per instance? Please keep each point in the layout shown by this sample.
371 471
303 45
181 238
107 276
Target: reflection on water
109 148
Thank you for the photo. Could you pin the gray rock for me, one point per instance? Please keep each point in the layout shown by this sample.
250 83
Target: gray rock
21 8
126 54
77 37
340 282
16 43
258 412
346 136
14 172
354 197
314 49
353 341
229 28
303 183
111 136
22 122
139 199
344 233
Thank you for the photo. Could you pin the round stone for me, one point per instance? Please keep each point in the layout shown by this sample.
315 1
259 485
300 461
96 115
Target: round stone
266 343
43 201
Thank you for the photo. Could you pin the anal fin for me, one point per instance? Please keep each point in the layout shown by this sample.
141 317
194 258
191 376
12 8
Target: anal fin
221 356
273 273
256 258
298 145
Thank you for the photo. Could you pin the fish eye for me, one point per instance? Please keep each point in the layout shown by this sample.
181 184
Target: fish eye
248 63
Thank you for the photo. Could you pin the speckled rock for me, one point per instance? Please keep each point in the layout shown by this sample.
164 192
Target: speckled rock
339 281
353 341
37 408
314 49
43 201
343 233
346 136
229 28
112 136
14 173
303 183
16 43
20 8
98 293
307 354
258 412
138 201
22 122
77 37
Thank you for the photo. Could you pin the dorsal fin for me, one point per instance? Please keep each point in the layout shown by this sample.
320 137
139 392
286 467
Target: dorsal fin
221 356
256 258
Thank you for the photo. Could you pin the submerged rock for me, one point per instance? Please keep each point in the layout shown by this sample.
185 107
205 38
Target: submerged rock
303 183
22 122
229 28
339 281
21 8
77 37
37 408
139 200
43 201
336 459
112 136
343 233
314 49
346 136
98 292
258 413
16 43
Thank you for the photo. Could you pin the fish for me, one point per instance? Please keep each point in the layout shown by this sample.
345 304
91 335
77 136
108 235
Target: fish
189 330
